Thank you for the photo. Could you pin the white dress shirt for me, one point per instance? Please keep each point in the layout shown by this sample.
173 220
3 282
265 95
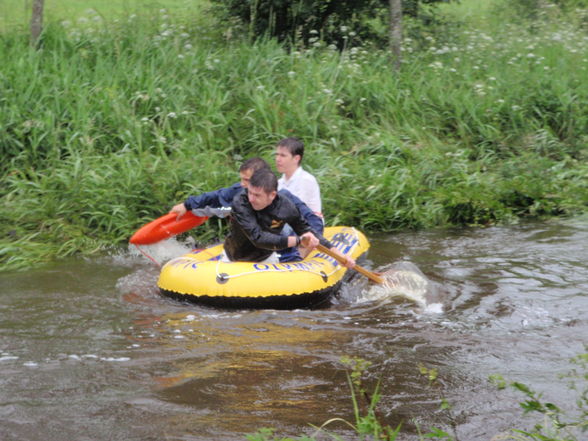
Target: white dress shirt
305 186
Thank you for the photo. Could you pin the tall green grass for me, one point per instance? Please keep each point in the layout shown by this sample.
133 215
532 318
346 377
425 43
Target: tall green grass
110 123
16 14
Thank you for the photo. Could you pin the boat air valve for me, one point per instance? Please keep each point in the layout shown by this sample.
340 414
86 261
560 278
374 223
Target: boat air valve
222 278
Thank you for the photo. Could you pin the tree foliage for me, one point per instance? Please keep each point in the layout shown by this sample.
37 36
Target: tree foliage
304 21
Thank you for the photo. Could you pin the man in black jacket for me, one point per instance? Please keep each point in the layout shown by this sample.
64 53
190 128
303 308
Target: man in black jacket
258 215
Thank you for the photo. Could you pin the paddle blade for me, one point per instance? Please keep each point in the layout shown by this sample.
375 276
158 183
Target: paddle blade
165 227
405 280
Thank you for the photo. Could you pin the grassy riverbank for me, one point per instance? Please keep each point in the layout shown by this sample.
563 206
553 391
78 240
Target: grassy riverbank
112 122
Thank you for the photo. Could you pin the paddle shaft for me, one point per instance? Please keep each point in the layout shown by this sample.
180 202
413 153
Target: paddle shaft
372 276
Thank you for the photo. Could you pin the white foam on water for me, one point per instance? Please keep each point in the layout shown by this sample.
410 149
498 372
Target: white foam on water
115 359
160 252
163 250
406 281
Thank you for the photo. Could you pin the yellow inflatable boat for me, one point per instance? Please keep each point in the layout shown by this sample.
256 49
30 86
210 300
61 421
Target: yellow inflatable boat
201 277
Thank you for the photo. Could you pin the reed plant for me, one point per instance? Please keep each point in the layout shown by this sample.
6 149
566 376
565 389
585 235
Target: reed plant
565 422
110 123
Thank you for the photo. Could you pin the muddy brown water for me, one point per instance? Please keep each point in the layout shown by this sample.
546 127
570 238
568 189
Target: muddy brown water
89 350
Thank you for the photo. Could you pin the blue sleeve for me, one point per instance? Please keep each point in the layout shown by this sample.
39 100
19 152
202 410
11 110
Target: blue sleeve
315 222
215 199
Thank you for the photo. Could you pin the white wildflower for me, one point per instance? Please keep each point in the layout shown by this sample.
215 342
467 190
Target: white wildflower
479 89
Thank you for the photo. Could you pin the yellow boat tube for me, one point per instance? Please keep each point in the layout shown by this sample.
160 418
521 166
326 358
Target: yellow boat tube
201 277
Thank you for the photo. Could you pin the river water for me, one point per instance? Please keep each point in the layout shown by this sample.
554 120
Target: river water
89 350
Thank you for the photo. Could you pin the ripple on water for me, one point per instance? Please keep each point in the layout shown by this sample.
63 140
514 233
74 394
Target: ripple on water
91 347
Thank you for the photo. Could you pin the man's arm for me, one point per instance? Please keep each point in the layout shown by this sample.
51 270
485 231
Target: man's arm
312 193
310 239
315 222
218 199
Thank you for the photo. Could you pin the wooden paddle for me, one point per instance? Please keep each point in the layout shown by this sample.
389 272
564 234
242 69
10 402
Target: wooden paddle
372 276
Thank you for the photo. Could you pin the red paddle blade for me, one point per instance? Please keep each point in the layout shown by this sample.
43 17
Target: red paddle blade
165 227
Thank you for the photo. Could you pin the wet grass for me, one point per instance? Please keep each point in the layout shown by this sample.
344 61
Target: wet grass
111 122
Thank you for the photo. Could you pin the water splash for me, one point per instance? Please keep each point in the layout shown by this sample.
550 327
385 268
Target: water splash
162 251
140 286
405 280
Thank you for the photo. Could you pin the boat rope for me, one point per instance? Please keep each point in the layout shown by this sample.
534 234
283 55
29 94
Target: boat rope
337 267
148 256
321 274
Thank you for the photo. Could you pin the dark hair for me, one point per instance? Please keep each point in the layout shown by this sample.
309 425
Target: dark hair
265 179
294 146
254 164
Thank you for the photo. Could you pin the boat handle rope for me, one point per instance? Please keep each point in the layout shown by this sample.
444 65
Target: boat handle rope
225 276
148 256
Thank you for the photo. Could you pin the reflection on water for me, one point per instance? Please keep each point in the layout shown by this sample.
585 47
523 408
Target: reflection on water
90 350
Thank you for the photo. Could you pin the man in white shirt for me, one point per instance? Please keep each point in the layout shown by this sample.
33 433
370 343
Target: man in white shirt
289 153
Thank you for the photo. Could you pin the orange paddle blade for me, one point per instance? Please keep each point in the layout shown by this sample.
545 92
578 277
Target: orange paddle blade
165 227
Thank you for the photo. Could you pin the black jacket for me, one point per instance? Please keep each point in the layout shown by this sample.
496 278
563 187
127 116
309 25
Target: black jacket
254 235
